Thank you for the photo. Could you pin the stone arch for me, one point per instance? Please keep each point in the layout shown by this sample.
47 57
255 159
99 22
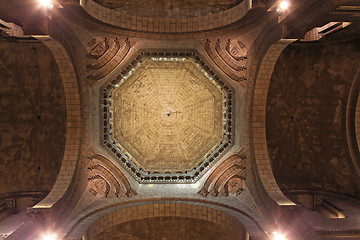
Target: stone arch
166 25
357 122
73 115
166 210
353 122
202 209
257 122
33 126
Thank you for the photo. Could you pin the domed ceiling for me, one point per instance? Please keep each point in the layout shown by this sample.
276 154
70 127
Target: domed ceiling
166 228
167 117
169 8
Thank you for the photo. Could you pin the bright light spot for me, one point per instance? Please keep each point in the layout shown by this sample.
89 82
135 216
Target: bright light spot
284 5
278 236
46 3
50 236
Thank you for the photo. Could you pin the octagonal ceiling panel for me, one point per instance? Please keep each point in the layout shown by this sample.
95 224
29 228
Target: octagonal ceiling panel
167 115
167 118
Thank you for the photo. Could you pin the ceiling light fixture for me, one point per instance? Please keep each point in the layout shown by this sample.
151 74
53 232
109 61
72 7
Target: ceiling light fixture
46 3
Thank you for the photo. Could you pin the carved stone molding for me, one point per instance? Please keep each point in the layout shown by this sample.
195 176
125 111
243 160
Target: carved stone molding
104 55
7 203
340 233
228 179
106 180
230 56
10 203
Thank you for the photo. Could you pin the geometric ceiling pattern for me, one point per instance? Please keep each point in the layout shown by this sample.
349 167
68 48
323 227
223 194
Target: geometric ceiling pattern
167 117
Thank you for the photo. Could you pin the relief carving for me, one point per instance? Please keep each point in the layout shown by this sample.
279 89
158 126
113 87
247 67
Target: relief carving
105 180
230 58
98 186
237 52
228 179
235 186
99 49
104 55
92 42
7 203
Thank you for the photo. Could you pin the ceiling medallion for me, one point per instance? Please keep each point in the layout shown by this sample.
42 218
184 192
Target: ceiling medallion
167 117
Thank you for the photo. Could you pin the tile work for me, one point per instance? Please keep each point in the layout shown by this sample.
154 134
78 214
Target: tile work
167 115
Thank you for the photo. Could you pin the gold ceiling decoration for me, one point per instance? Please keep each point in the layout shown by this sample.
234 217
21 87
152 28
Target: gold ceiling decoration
167 117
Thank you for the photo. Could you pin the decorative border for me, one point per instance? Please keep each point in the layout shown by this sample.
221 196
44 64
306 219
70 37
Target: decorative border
141 175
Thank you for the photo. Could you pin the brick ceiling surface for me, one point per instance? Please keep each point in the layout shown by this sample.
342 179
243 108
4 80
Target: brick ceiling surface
170 8
167 115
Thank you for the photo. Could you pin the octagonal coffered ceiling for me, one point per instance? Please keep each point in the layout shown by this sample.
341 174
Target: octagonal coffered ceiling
167 117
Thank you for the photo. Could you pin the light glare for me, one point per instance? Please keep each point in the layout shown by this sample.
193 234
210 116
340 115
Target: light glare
284 5
50 236
46 3
278 236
